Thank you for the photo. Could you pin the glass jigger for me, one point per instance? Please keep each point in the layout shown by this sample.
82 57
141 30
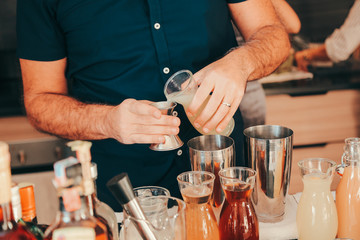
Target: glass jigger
165 216
316 216
181 88
196 188
238 219
171 141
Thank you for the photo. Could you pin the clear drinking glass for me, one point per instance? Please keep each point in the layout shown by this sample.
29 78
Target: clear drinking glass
238 219
181 88
165 216
196 188
316 216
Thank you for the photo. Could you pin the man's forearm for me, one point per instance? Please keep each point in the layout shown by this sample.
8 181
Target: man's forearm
68 118
264 51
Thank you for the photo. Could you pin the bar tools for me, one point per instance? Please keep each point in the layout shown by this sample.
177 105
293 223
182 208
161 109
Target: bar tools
171 141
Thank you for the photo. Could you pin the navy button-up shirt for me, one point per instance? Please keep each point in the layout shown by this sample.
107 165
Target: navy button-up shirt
119 49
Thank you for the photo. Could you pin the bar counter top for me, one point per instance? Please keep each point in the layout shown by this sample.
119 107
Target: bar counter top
344 75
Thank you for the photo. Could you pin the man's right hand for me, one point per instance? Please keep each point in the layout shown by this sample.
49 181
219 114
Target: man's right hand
135 121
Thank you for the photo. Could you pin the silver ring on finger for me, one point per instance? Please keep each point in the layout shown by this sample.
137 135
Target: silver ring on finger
226 104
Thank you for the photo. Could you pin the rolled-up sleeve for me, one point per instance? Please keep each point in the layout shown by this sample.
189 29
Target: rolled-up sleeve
39 36
343 41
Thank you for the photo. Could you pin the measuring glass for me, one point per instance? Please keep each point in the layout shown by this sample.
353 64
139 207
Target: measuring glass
181 88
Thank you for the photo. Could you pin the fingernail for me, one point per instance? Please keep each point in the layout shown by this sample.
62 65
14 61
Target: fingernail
175 121
197 125
219 130
205 130
174 130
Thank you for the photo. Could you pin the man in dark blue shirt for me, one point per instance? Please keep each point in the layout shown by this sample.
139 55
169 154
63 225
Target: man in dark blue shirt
90 69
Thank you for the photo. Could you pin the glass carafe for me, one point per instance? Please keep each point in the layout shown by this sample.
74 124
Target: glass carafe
238 219
181 88
316 216
196 188
348 191
165 215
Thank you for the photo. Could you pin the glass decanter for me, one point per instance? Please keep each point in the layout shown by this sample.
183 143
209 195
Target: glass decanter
238 219
196 188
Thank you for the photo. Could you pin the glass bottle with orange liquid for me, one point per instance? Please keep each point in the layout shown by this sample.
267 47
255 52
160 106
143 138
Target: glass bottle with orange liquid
238 219
348 192
74 220
196 188
9 228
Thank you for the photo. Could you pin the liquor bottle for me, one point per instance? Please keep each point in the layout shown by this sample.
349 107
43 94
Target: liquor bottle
73 220
10 229
98 209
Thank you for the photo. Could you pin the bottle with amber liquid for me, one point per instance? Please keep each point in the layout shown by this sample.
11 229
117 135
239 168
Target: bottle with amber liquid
88 170
9 228
74 220
238 219
196 188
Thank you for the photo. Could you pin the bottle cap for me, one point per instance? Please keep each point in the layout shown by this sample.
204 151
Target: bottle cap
5 173
27 197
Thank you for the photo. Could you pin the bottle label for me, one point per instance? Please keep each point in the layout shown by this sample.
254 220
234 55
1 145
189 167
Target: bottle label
74 233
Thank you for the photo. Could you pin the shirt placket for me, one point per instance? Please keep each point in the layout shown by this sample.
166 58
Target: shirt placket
159 40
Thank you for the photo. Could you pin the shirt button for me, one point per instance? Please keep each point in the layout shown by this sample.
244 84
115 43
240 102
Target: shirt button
166 70
179 152
157 26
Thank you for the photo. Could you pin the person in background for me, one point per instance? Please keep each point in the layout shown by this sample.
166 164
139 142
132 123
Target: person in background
253 104
338 46
91 68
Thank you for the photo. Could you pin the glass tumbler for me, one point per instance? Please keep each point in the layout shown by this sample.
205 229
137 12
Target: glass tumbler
181 88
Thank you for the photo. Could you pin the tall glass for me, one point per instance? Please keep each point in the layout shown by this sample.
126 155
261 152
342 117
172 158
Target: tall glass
238 219
181 88
196 189
347 192
165 216
316 216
